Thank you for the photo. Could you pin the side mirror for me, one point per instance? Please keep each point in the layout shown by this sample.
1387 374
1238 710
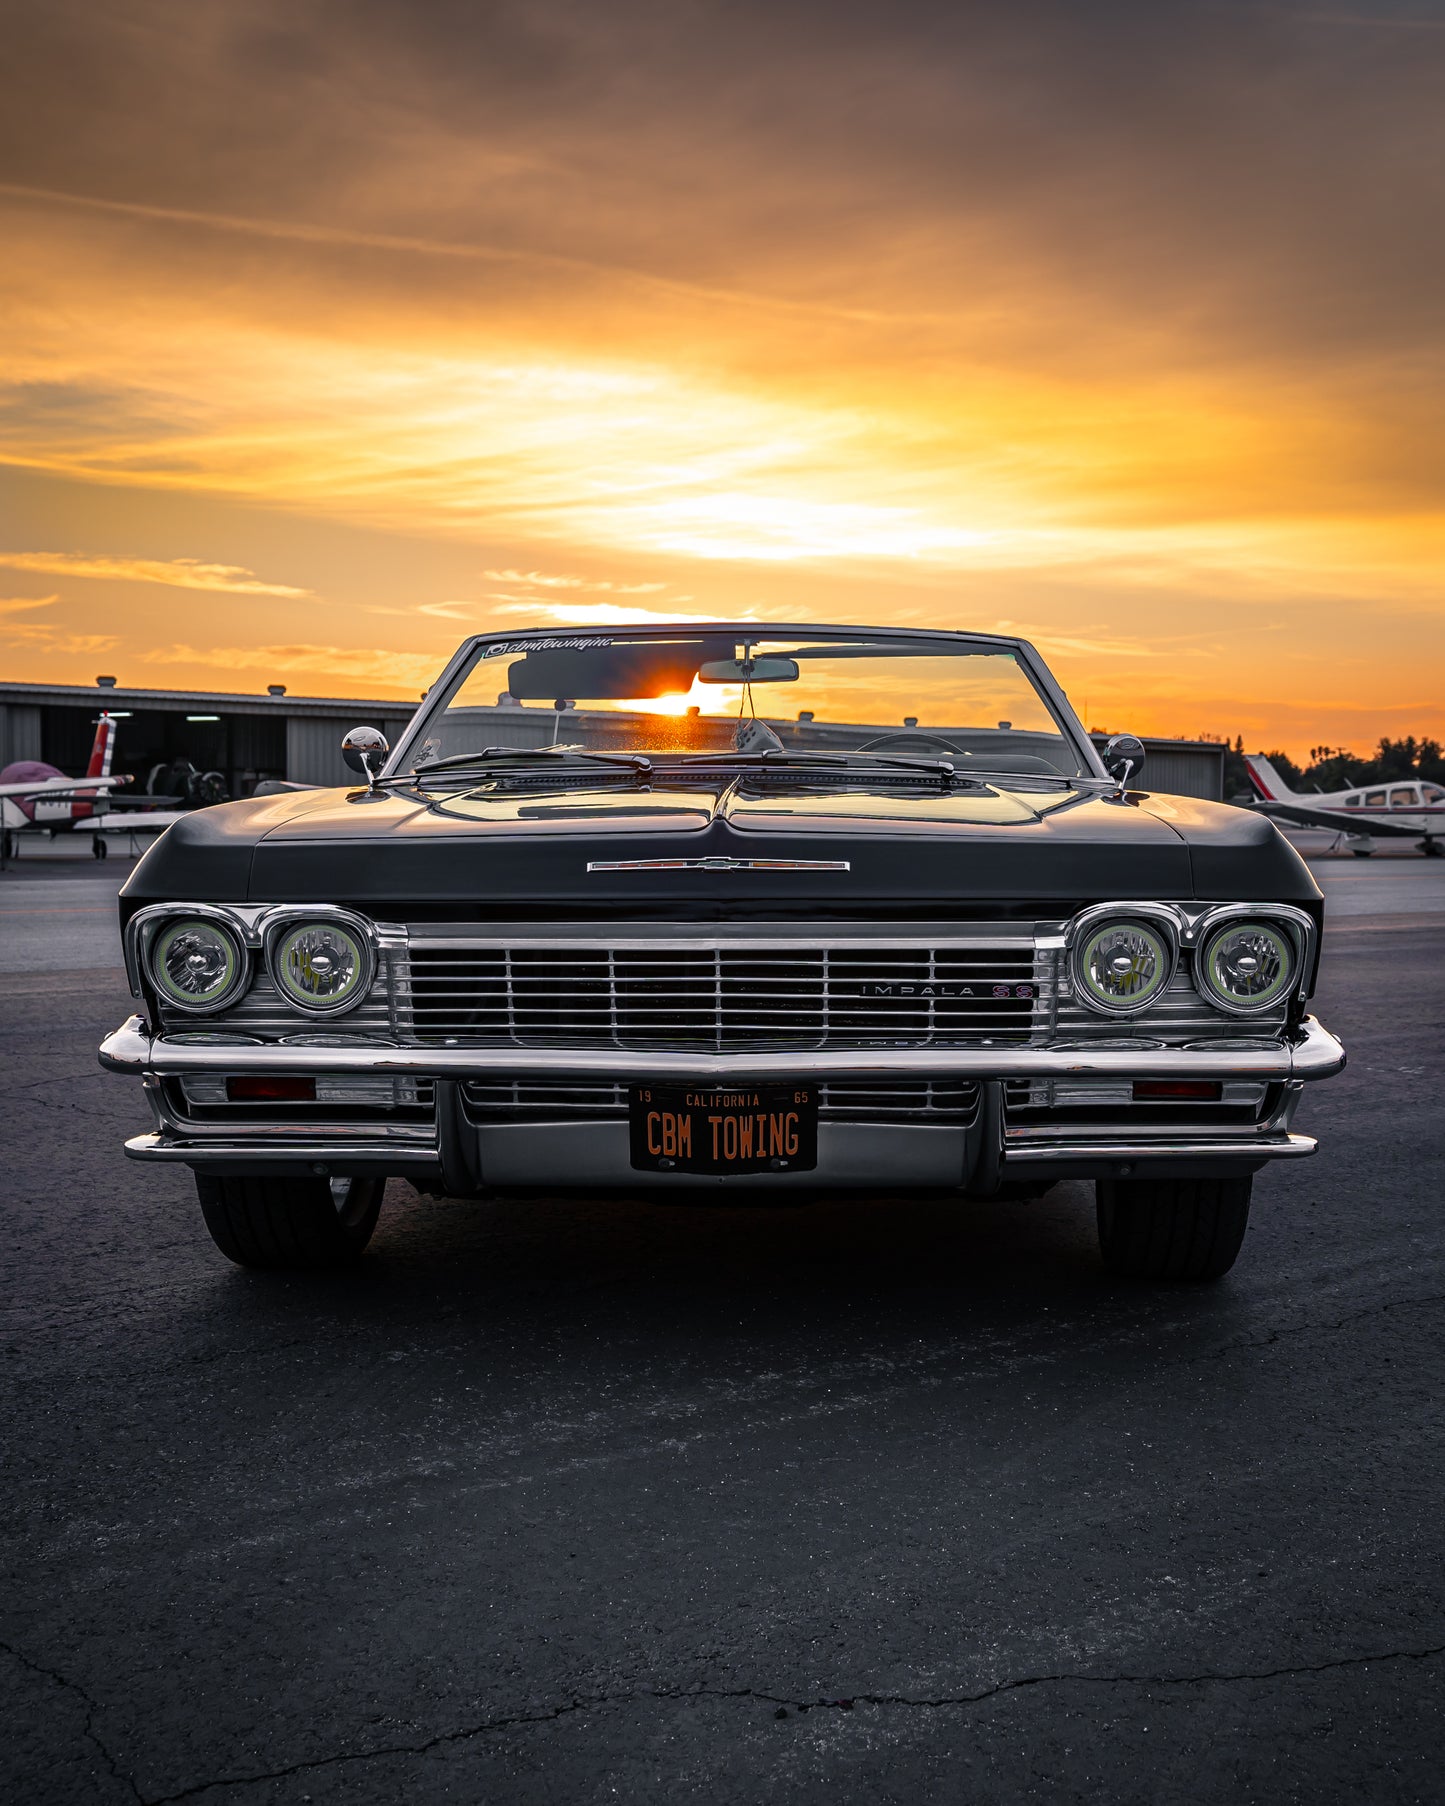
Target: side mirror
1124 758
364 749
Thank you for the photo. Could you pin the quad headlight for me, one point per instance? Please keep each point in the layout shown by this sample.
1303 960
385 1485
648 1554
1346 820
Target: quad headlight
197 963
321 965
1121 965
1246 966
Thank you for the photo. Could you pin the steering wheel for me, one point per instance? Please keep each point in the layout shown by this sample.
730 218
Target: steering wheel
915 740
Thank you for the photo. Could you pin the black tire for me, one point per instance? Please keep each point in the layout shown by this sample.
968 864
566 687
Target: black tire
1363 852
304 1224
1172 1229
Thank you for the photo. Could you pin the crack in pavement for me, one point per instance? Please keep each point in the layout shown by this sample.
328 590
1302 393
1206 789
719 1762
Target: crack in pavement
1302 1329
91 1708
943 1703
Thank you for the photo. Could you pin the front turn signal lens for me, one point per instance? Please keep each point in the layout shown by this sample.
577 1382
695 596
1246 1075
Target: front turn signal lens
197 964
265 1090
1197 1091
1247 966
1122 966
321 966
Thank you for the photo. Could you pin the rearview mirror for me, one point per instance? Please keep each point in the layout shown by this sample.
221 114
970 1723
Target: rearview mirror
364 749
749 671
1124 758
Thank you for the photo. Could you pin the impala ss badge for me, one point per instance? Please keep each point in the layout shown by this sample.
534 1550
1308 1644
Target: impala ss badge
718 862
943 987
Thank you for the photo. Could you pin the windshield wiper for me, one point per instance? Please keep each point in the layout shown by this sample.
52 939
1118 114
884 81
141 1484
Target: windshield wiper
495 758
780 758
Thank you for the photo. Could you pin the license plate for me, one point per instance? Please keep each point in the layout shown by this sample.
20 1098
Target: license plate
749 1129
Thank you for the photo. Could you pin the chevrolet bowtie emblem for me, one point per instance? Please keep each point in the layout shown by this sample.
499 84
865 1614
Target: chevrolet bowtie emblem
718 862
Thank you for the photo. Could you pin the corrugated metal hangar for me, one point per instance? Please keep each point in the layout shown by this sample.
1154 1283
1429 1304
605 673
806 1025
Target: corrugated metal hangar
249 739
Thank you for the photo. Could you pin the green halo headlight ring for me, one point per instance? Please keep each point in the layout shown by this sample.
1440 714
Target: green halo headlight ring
197 964
1248 966
321 965
1122 965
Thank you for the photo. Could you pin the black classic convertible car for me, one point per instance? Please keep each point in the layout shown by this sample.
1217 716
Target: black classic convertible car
721 912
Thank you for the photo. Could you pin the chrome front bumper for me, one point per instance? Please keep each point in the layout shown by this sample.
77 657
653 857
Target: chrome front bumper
1313 1053
457 1154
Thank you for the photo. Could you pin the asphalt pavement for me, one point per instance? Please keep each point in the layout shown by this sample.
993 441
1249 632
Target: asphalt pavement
564 1501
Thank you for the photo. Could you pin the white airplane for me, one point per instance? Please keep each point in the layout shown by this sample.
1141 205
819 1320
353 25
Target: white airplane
1408 809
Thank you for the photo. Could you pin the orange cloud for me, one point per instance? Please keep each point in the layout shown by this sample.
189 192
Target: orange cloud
180 573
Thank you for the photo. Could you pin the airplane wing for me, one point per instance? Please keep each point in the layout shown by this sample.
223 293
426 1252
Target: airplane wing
153 820
144 799
58 789
1338 821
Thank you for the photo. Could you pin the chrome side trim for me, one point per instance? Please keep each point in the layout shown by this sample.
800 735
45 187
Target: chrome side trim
1313 1054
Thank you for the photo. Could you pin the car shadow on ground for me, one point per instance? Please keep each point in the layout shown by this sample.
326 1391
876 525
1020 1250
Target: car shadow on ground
618 1288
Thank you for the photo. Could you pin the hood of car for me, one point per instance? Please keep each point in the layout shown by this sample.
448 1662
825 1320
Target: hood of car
716 844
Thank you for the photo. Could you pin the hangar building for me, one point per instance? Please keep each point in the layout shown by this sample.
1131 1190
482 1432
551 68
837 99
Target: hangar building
248 739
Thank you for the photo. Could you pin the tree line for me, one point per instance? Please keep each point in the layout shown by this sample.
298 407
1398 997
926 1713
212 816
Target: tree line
1337 768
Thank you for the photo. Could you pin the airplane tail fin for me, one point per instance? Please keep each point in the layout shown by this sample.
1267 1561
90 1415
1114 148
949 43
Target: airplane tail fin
103 750
1269 786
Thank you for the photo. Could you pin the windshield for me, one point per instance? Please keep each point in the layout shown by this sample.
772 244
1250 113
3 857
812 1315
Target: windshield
710 693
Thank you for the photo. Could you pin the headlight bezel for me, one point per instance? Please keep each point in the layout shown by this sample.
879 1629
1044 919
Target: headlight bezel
1157 919
166 920
1191 928
280 924
1294 927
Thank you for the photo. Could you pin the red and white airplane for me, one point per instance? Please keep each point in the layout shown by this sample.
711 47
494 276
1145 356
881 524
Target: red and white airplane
1408 809
35 796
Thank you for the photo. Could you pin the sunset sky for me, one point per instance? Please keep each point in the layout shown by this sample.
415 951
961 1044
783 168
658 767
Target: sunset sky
331 332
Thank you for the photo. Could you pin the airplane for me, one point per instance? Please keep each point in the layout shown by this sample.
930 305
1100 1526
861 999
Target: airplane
1401 809
39 798
36 798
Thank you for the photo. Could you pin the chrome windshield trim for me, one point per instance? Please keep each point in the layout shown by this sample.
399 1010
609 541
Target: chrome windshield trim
474 651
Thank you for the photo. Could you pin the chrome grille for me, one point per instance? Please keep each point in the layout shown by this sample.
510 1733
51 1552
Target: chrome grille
948 1102
724 998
